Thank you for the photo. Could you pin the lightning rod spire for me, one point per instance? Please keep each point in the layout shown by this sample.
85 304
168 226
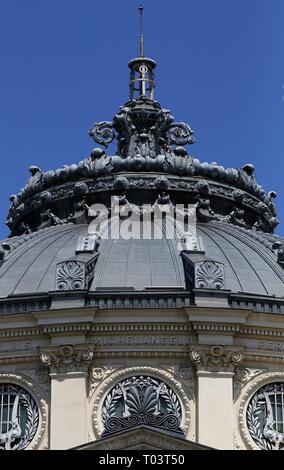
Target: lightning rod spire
141 9
142 77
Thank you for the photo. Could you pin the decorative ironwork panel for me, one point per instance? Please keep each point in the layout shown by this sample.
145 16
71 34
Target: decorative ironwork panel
141 400
19 417
265 417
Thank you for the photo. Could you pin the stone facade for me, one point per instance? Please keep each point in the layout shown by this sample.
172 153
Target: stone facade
214 367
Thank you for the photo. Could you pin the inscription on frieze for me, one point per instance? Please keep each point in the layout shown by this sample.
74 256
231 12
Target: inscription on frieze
141 340
14 347
271 346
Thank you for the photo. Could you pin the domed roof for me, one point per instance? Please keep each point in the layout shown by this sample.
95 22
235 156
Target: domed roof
50 248
250 264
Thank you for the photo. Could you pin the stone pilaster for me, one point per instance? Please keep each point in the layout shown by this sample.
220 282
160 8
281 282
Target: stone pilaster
68 366
215 367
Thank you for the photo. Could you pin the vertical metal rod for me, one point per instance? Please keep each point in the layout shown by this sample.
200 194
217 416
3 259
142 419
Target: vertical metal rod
143 84
141 8
8 412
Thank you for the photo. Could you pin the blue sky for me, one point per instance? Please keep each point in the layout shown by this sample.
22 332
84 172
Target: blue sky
64 67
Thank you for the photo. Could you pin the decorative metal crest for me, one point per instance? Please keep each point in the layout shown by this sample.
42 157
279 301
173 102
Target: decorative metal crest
141 400
143 129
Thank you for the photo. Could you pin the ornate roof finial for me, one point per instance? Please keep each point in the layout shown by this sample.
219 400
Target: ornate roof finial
141 9
142 78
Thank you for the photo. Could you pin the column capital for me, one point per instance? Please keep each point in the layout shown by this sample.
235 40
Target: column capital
67 358
216 358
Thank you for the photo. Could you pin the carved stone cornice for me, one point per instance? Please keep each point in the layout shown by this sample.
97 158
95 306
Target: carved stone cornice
216 358
67 358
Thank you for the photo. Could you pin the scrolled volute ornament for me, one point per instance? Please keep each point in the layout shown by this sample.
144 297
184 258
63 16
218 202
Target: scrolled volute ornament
216 357
103 133
237 357
180 133
195 356
67 358
48 358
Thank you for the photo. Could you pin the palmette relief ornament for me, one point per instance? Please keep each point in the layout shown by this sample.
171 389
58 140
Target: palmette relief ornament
70 276
141 400
209 275
98 396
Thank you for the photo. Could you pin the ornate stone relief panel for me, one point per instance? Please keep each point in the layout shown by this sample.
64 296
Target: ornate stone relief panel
186 375
243 376
97 375
23 414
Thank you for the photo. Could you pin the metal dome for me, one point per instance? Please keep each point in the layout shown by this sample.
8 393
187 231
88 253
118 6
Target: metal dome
250 265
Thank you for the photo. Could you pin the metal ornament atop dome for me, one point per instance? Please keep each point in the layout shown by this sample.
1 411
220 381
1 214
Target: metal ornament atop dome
142 78
150 157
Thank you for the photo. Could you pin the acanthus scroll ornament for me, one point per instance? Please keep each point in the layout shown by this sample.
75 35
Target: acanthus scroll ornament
103 133
180 133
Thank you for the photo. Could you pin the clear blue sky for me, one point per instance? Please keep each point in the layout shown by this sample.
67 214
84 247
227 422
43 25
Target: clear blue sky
64 67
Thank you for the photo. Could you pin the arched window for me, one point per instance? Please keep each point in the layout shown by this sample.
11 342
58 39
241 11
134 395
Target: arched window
19 417
265 416
141 400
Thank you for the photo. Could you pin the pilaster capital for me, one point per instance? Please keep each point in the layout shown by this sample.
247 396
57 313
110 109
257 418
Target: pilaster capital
67 358
216 358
